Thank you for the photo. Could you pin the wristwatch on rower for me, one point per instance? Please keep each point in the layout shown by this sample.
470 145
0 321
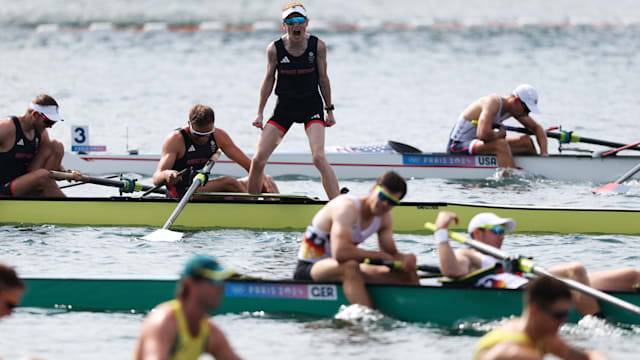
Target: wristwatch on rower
329 107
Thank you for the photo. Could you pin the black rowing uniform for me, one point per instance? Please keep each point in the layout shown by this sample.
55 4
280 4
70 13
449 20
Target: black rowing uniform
15 162
297 87
195 157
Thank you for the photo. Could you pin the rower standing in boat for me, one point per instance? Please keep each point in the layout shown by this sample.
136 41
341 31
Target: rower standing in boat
300 61
191 147
547 304
489 228
469 138
11 290
329 250
180 328
27 153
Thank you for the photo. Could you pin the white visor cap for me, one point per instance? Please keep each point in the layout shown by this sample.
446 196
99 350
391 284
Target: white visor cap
50 111
294 9
529 96
482 219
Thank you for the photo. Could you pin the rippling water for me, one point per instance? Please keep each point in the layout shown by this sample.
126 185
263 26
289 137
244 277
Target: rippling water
401 71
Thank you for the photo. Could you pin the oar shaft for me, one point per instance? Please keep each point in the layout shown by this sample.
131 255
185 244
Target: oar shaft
398 265
198 181
126 186
615 151
153 189
628 174
528 266
574 138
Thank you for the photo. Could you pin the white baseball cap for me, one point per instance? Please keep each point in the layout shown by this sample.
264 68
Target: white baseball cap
50 111
482 219
294 9
529 96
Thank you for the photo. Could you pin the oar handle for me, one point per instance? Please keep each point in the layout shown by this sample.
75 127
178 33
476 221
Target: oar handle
153 189
398 265
528 266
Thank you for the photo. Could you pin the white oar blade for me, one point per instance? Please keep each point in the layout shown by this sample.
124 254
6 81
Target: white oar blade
165 235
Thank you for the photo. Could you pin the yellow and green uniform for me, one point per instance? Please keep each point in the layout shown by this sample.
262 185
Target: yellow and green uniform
497 336
187 347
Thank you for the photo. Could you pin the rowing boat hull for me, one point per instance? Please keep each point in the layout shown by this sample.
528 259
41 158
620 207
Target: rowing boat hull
435 304
363 165
295 213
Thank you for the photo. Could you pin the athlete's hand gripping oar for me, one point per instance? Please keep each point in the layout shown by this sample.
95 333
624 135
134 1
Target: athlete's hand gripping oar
529 266
153 189
165 234
398 265
617 186
565 137
125 185
82 183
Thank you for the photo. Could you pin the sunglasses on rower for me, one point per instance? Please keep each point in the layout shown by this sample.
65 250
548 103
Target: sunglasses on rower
560 315
385 196
198 133
298 20
48 123
496 229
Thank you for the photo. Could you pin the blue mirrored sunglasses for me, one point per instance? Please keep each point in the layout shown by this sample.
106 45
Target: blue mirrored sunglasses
496 229
385 196
295 20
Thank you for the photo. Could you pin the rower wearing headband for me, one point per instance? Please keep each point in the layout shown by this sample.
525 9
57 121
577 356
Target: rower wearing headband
27 153
191 147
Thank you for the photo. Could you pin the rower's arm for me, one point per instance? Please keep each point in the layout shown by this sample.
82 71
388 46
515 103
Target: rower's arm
219 346
170 152
269 78
344 216
558 347
453 264
538 130
490 107
230 149
159 331
388 245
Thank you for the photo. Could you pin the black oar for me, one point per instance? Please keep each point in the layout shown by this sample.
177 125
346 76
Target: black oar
165 234
398 265
82 183
566 137
153 189
527 265
617 186
125 185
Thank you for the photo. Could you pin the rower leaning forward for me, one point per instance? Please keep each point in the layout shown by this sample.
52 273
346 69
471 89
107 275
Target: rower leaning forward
27 153
473 133
330 252
191 147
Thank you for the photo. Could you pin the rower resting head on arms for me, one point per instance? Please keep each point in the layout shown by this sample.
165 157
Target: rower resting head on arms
490 229
473 133
180 329
191 146
529 337
330 252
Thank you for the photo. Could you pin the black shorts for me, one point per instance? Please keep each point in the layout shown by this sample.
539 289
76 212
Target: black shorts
303 271
306 110
5 189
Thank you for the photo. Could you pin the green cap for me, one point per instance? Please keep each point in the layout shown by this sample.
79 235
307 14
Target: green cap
203 266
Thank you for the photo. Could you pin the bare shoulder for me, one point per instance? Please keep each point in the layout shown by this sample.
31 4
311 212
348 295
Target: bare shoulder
173 142
161 317
6 127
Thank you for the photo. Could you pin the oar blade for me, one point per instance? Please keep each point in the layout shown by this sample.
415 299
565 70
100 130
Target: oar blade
165 235
612 188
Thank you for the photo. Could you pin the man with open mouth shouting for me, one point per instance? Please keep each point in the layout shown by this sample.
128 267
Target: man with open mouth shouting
300 61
